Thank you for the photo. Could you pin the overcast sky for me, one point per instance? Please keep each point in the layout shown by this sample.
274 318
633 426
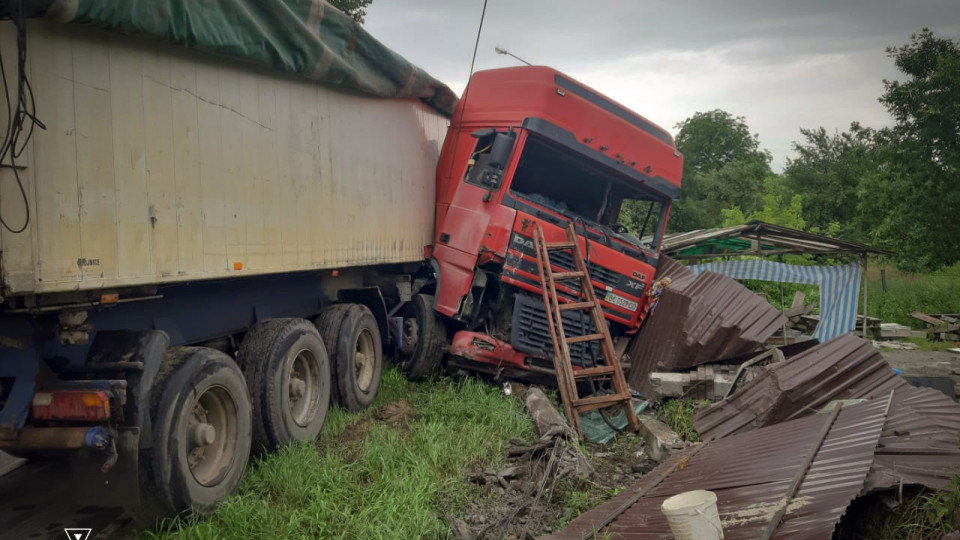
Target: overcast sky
781 64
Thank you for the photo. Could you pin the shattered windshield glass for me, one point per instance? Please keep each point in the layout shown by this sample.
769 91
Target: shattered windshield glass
574 186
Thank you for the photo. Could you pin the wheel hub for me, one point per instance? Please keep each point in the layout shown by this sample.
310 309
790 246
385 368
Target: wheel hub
204 434
364 360
303 388
297 388
211 435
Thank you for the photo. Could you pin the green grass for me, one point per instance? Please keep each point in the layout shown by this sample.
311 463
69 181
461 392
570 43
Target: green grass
927 516
937 292
678 415
371 479
928 345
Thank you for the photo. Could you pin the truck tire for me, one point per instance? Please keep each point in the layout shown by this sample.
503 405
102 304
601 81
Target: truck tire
424 338
328 324
200 430
358 362
287 369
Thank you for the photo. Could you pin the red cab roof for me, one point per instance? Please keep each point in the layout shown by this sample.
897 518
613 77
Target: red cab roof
505 97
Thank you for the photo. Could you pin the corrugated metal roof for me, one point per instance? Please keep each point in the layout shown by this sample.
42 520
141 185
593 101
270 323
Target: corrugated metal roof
919 442
755 238
793 479
843 368
699 319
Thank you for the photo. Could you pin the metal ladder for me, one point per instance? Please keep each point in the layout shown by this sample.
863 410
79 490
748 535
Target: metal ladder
608 366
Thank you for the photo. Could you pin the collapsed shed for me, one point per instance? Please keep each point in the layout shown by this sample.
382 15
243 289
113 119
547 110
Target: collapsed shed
839 284
699 318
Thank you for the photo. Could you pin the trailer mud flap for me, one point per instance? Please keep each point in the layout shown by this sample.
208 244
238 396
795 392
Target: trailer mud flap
120 484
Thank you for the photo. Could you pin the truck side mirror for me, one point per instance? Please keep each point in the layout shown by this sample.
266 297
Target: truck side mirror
499 154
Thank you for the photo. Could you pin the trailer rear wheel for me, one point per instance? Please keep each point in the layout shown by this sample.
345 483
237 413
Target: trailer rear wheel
288 373
200 430
328 324
424 338
358 363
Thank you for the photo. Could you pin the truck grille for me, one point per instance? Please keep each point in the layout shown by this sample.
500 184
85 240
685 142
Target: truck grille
529 332
598 273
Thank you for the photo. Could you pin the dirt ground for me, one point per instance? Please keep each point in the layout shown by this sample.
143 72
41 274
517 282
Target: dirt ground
925 363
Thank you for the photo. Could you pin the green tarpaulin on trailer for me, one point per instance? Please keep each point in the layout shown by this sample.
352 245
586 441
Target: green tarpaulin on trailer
309 38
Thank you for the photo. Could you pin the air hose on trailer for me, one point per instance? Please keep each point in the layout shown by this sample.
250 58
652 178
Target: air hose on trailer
21 116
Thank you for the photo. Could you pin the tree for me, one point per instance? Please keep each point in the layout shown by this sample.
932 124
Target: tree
723 167
909 204
353 8
778 207
827 173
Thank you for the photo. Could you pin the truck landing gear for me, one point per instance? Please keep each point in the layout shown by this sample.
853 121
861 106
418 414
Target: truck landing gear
200 431
288 373
352 337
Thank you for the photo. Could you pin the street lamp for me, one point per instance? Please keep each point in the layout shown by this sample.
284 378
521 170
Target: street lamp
508 53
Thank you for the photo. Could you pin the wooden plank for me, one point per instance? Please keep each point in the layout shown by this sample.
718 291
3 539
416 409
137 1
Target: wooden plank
945 329
926 318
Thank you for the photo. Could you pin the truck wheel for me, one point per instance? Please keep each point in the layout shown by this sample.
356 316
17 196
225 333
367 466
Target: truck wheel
359 358
288 373
328 324
424 338
200 427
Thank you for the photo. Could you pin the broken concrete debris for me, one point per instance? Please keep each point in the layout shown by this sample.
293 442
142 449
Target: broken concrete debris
709 381
660 440
557 438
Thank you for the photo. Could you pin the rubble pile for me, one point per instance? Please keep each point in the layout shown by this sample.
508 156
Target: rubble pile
796 433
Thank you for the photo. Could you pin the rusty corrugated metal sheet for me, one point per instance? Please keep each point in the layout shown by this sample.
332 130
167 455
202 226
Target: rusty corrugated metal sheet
811 467
846 367
700 318
919 442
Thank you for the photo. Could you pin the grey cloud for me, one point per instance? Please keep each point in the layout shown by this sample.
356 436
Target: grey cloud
782 64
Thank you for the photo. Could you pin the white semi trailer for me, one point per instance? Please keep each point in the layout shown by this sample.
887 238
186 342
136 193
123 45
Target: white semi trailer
204 247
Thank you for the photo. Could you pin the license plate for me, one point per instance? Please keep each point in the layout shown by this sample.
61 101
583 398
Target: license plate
618 300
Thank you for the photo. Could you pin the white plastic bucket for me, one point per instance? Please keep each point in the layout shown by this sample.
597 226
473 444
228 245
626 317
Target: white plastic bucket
693 515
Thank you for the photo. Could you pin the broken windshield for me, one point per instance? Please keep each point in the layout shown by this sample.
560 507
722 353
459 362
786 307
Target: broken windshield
575 186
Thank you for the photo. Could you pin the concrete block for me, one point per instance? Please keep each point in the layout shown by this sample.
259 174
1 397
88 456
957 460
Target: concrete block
661 441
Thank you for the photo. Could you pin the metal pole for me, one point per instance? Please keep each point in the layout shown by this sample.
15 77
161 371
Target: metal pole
783 308
863 258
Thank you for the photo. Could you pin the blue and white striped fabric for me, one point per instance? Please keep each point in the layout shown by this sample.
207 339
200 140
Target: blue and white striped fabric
839 288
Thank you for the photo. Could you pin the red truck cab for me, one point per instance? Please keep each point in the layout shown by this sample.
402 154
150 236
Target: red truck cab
531 145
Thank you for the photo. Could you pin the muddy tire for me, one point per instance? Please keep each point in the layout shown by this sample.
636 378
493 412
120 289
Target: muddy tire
287 370
328 324
200 433
358 362
424 338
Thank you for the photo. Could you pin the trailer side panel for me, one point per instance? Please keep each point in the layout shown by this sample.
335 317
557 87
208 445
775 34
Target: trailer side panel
161 164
